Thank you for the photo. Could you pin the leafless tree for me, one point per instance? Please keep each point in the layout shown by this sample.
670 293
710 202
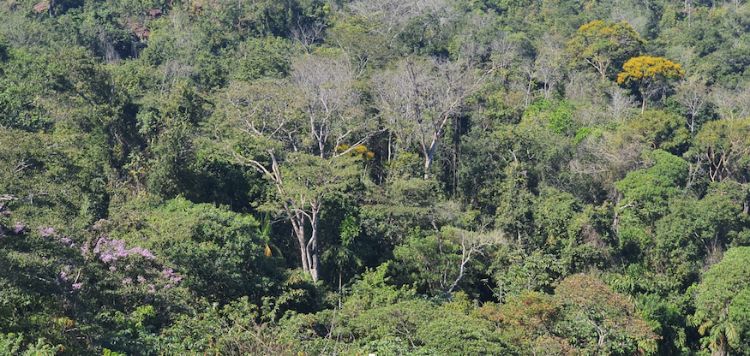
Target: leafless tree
418 98
268 113
582 86
527 70
479 40
473 244
687 8
307 34
504 53
693 95
732 103
393 16
620 103
326 86
607 158
264 110
548 66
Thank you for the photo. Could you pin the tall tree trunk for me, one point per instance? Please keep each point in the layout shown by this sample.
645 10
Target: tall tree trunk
390 153
692 123
427 165
456 151
298 226
429 152
341 275
312 248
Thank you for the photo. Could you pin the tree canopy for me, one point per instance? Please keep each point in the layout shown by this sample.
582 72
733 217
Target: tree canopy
426 177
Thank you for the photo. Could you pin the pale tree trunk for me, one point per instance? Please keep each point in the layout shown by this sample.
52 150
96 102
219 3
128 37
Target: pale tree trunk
298 218
644 97
298 225
390 152
427 165
465 258
321 148
600 339
312 245
429 151
429 158
601 66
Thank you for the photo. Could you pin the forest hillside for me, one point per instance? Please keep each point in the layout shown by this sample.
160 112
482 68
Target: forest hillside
390 177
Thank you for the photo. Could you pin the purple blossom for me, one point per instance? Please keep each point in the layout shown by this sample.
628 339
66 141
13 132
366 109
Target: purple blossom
171 275
63 275
106 257
47 231
19 228
147 254
151 288
141 279
112 268
113 250
127 280
143 252
77 286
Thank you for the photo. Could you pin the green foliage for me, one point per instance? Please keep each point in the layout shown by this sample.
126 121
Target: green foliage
265 57
557 115
432 264
605 46
514 208
403 208
721 147
12 344
643 194
58 180
644 190
220 252
721 303
694 229
141 141
553 213
515 273
21 79
659 130
373 290
231 329
456 333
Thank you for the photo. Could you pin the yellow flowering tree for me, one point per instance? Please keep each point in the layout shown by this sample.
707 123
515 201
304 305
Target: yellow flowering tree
650 74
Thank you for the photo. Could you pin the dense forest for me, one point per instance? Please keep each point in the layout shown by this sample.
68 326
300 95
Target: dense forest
390 177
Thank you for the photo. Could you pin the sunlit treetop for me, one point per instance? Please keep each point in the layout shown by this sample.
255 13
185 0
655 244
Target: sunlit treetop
648 67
